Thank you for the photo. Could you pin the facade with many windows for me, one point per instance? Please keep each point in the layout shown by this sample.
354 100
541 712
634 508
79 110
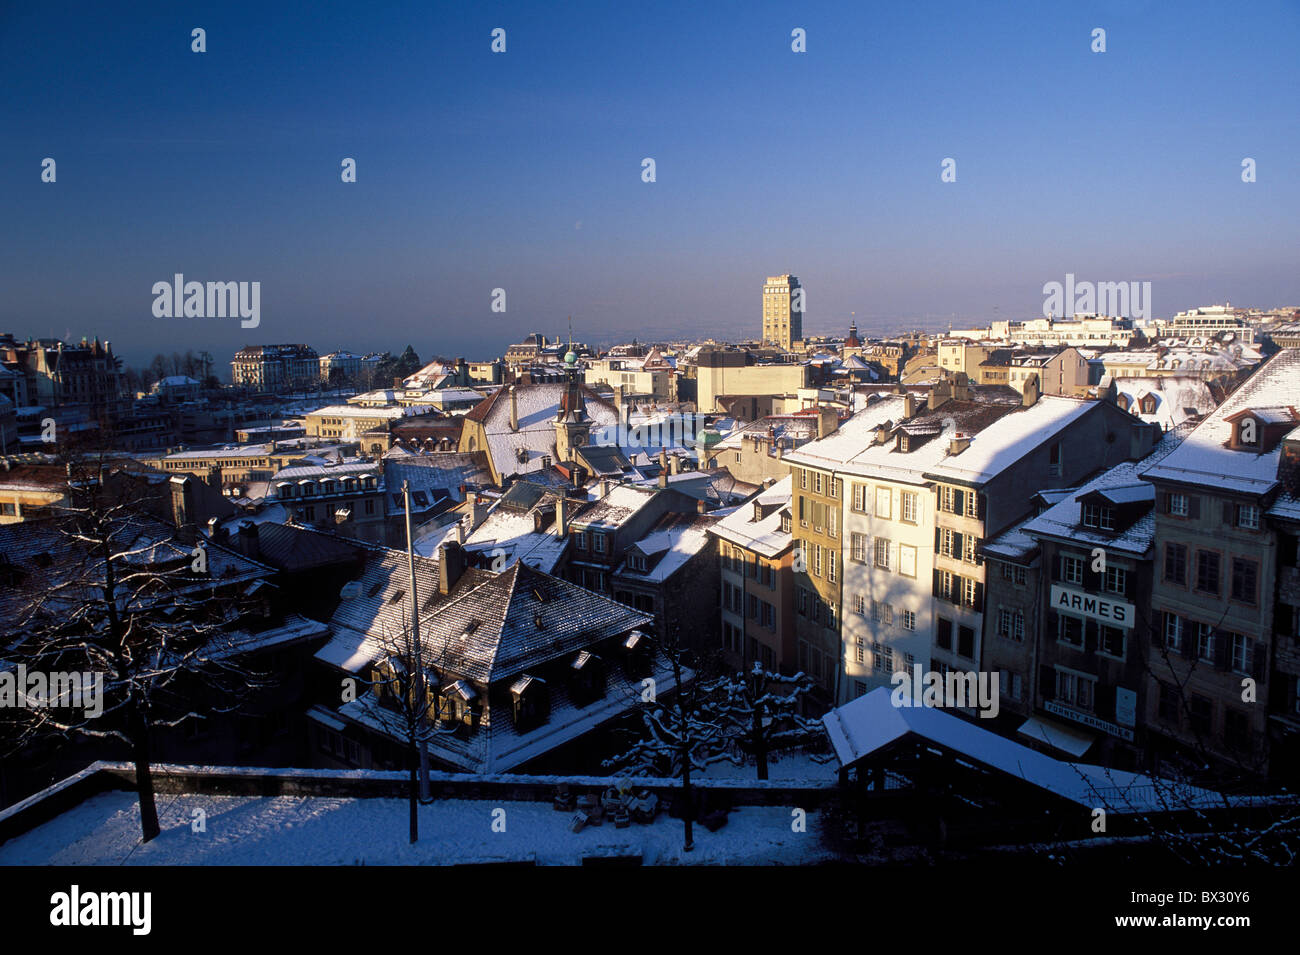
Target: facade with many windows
1213 682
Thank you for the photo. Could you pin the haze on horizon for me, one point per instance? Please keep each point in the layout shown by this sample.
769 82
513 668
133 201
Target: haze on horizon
522 170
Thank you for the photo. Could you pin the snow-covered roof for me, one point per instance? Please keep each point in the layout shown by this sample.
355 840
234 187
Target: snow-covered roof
1120 484
762 536
872 722
671 543
1011 438
1204 458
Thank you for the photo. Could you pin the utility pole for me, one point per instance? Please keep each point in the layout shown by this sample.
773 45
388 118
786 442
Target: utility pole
421 693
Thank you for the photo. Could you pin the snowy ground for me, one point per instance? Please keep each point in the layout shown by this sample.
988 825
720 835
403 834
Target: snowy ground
293 830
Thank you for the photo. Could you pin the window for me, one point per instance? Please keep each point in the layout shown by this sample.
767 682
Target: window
830 614
882 658
1236 729
801 601
946 499
1110 641
858 548
908 619
1072 570
1103 518
884 501
860 498
1074 689
803 479
968 548
1054 460
1174 632
1207 571
817 559
1168 706
860 604
1117 580
950 544
769 615
966 642
1245 578
1069 630
370 506
1176 563
1243 653
817 482
1248 517
911 512
1179 505
1202 713
832 521
834 487
972 504
887 614
907 560
947 585
830 564
969 592
1020 576
580 538
1010 684
1205 643
598 543
882 553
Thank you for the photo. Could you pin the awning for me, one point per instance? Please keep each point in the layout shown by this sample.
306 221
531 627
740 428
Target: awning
1057 735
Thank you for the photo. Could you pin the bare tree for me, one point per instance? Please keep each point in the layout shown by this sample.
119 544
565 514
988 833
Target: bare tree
121 596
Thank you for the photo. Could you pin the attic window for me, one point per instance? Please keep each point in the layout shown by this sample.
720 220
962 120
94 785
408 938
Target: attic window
397 596
1102 518
375 588
469 629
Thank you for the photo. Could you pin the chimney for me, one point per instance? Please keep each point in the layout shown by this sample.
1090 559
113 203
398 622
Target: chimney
247 542
959 442
701 506
674 465
451 564
514 410
1031 392
939 393
604 487
909 405
561 517
828 421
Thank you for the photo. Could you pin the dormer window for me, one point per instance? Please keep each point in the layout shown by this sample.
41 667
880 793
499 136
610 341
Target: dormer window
637 562
1102 518
1248 432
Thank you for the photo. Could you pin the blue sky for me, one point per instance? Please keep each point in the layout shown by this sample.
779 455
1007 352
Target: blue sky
522 170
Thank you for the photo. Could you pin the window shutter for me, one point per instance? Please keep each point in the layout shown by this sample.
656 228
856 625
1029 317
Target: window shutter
1222 649
1056 568
979 597
1091 579
1259 666
957 545
1190 641
936 590
937 532
1164 502
981 506
1227 513
1193 507
1052 625
959 502
1282 618
1047 681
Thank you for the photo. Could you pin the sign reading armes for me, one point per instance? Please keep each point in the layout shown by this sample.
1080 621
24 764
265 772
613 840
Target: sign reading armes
1115 612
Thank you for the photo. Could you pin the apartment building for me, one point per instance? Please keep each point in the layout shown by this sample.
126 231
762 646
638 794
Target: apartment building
1212 684
920 486
268 367
756 558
